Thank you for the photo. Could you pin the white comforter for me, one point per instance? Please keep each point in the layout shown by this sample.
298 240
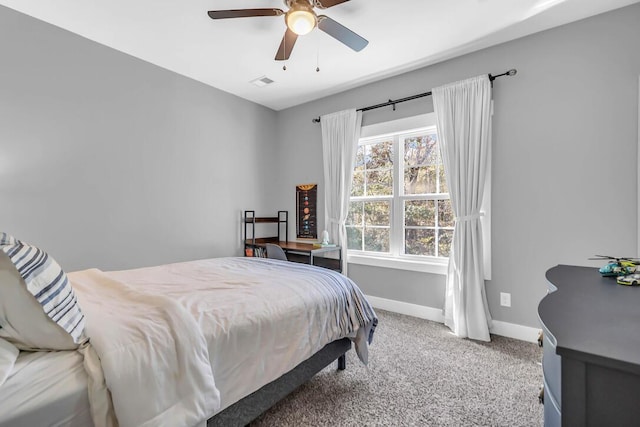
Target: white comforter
247 320
152 352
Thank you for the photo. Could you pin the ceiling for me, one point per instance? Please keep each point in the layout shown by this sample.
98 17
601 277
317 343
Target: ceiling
227 54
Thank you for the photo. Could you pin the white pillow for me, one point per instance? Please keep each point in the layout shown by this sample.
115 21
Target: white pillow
8 355
38 308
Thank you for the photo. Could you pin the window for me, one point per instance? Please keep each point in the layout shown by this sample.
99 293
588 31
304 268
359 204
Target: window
400 212
399 205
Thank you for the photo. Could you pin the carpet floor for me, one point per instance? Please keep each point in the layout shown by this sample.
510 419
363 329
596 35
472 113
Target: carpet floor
419 374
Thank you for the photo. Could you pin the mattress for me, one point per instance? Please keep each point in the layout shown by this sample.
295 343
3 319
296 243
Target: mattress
46 389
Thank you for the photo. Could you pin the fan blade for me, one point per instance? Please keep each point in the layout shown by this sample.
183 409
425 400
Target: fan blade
286 45
326 4
341 33
243 13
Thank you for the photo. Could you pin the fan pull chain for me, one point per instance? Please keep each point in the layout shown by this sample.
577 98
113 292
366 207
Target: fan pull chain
284 52
318 61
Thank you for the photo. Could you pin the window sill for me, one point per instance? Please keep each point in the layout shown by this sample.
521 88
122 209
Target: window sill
433 267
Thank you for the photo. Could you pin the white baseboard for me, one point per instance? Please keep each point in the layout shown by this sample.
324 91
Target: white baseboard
513 330
415 310
505 329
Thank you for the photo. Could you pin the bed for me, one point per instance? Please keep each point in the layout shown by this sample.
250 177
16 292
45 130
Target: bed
214 342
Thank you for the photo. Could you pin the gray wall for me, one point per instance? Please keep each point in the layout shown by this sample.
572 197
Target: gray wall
111 162
564 161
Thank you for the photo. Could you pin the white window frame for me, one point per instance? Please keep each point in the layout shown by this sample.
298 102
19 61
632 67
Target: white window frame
395 259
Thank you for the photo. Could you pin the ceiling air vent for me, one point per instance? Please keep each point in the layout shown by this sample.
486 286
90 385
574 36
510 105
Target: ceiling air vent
262 81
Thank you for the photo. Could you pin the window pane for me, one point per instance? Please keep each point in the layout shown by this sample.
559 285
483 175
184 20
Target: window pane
354 238
443 180
420 150
419 213
379 183
354 216
359 166
420 180
420 242
376 239
377 213
445 213
444 243
357 184
379 155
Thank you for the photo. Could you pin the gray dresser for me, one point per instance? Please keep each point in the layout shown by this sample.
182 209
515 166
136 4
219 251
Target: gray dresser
591 361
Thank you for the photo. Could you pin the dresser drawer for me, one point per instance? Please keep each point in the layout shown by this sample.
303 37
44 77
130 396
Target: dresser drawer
552 417
551 367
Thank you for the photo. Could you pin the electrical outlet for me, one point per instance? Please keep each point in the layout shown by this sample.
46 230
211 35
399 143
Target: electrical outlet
505 299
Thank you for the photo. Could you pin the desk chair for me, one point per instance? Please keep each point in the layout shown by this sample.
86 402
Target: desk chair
275 252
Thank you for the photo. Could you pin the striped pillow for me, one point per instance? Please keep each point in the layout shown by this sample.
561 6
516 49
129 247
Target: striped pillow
38 308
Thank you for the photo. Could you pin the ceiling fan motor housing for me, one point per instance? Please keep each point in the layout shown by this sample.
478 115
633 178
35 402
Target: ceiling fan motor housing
300 18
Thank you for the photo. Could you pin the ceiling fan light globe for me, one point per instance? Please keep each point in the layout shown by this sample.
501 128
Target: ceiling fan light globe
301 22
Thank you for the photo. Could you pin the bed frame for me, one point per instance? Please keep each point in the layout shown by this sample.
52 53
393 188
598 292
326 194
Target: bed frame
251 407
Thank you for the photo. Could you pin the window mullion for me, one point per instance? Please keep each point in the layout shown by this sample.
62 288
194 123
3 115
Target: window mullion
397 226
436 231
362 222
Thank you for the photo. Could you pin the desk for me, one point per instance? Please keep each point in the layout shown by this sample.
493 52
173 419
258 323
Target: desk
304 250
307 249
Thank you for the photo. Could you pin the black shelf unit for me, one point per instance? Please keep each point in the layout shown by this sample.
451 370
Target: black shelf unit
252 242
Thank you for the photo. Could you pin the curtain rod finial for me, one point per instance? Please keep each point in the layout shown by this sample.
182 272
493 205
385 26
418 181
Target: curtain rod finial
512 72
316 120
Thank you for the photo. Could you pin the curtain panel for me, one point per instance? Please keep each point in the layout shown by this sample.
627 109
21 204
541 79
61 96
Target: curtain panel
463 116
340 135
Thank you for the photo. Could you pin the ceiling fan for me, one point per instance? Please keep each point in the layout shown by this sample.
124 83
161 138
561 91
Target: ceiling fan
300 20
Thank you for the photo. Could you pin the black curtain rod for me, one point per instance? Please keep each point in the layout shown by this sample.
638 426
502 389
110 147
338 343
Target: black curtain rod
511 72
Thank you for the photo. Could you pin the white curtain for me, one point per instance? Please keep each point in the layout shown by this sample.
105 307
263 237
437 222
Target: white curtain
463 116
340 134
